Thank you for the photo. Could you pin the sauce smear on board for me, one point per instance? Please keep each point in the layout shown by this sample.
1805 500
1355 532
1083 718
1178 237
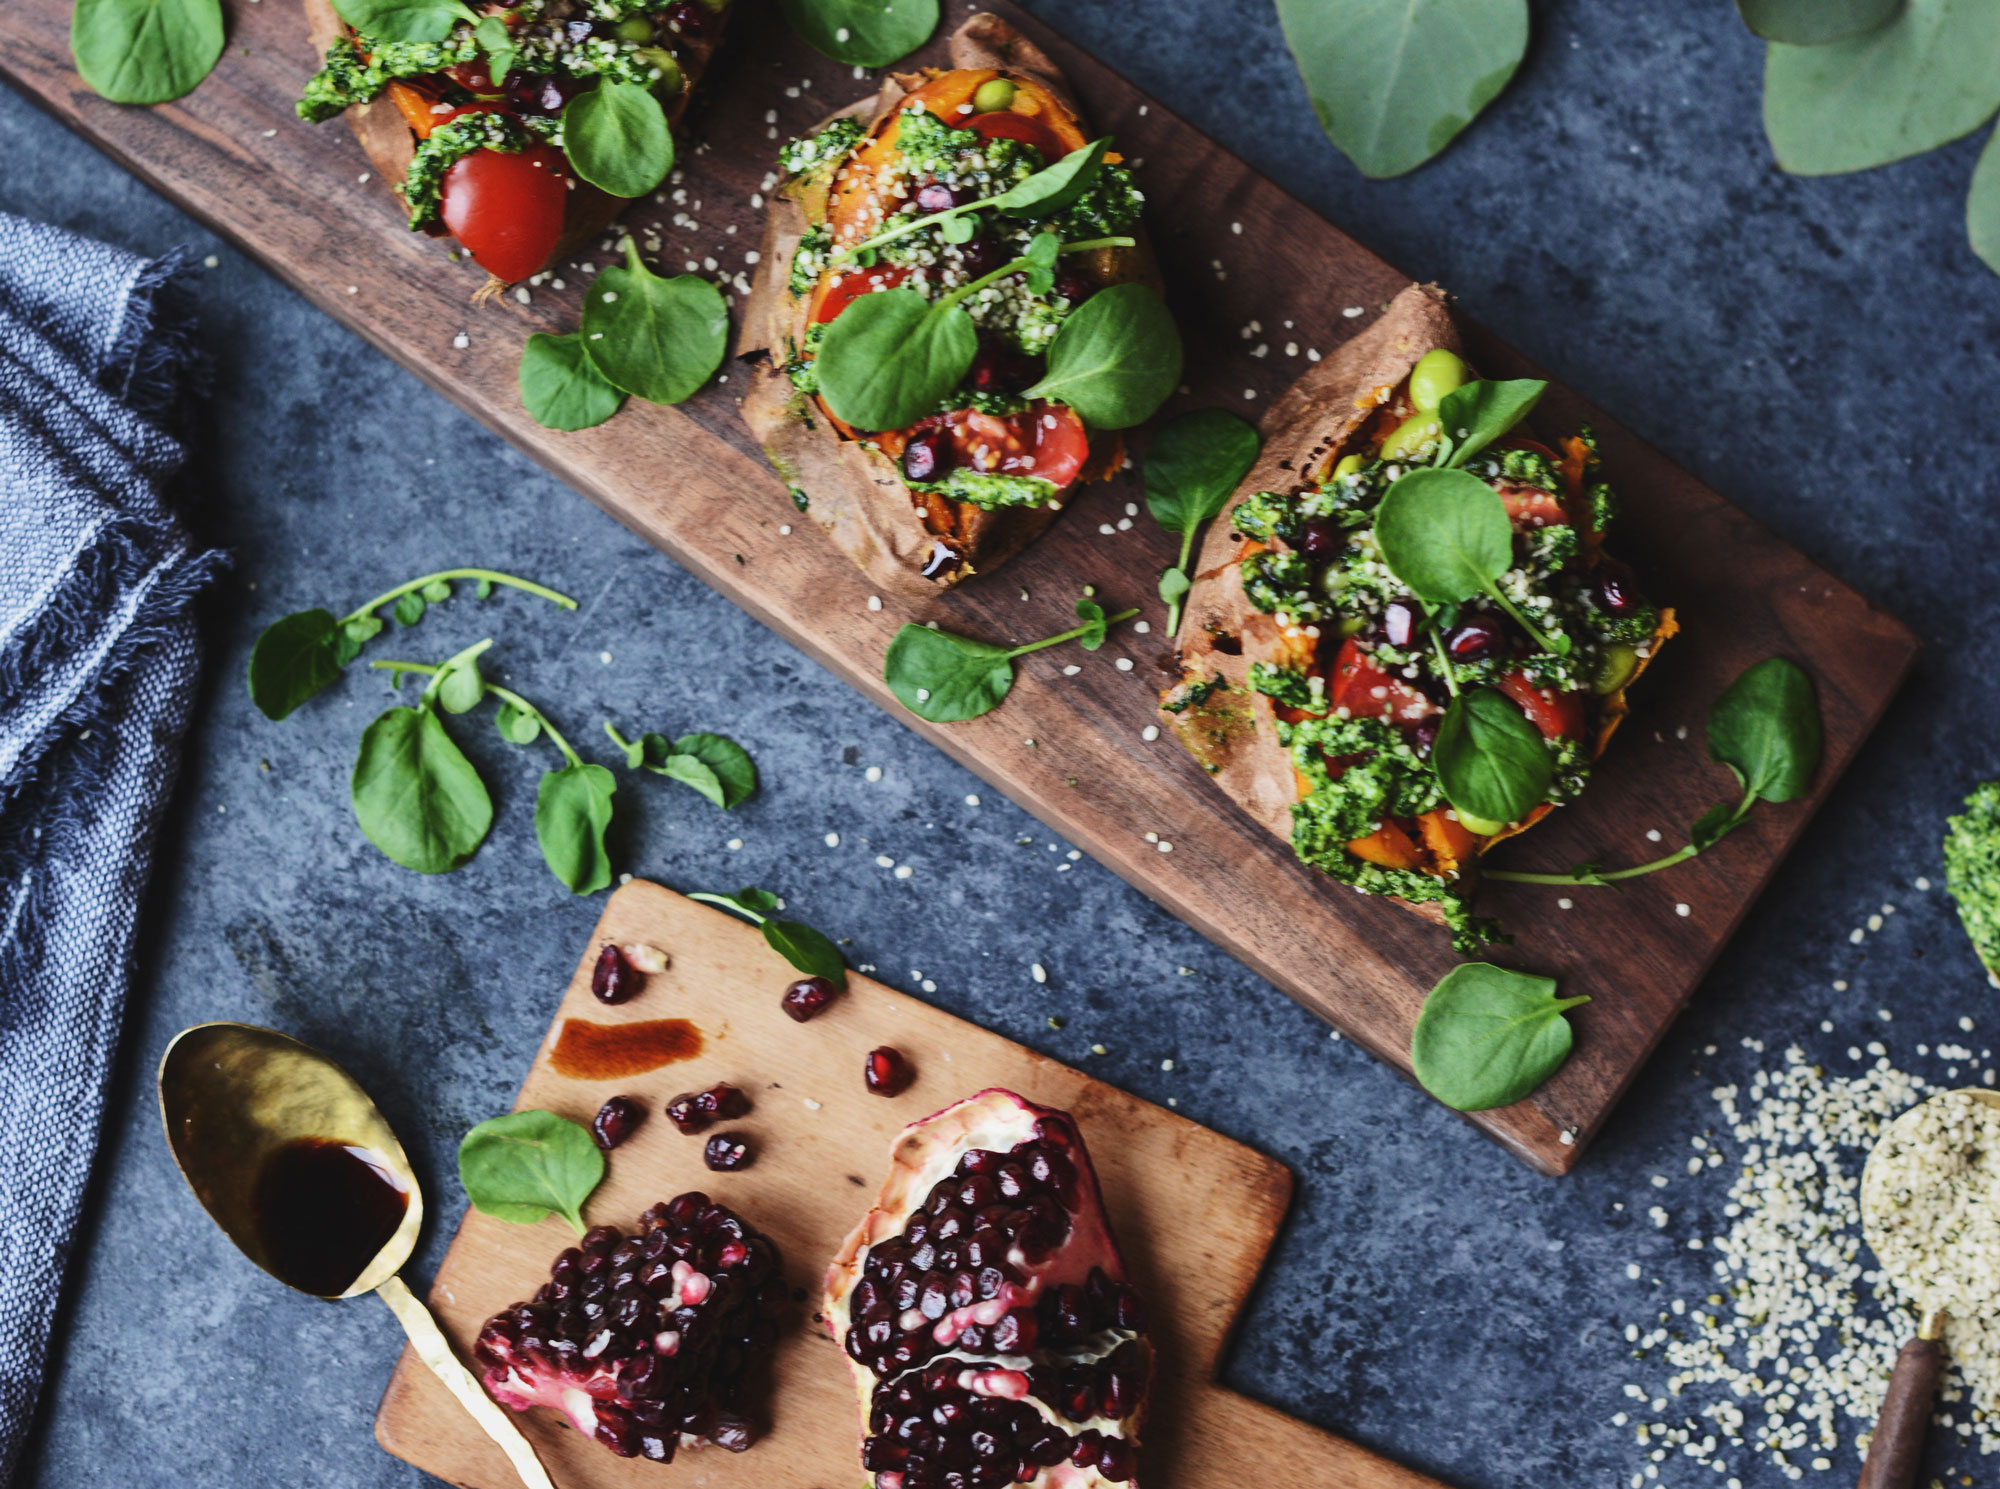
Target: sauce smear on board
600 1052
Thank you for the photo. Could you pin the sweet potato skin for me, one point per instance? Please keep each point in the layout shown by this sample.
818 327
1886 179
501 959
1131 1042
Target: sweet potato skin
855 494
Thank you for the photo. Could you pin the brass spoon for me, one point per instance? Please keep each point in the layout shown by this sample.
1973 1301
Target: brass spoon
232 1097
1897 1447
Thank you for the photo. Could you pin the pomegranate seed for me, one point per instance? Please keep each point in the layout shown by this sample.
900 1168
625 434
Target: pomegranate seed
927 456
614 979
1074 288
887 1072
694 1112
980 256
615 1121
686 17
1475 640
1424 735
1322 538
726 1153
1614 589
1398 626
807 998
935 196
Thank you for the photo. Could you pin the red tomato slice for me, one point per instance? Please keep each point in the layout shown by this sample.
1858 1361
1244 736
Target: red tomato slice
1046 440
1367 692
851 286
1530 507
507 209
1557 715
1004 124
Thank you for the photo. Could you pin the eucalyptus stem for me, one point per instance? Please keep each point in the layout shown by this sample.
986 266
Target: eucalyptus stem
492 576
1109 622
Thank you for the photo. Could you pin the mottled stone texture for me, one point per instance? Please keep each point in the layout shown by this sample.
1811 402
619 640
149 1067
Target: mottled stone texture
1822 351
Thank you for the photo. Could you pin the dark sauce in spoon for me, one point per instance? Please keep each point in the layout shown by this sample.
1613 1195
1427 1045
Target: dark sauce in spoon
323 1210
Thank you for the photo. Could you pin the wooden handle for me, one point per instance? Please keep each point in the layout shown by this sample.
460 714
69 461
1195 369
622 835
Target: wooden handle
435 1351
1898 1445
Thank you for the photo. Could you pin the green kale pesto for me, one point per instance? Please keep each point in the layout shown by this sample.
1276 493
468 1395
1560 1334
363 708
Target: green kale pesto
1188 695
809 259
799 366
1280 579
450 143
822 151
990 490
347 79
1288 685
1972 871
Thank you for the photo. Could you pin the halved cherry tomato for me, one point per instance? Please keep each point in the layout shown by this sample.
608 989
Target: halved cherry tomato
838 294
507 209
1530 507
1557 715
1046 440
1004 124
1367 692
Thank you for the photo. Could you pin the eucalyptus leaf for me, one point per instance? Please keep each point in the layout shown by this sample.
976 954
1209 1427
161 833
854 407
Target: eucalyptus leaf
415 794
1982 206
617 137
404 20
945 678
1929 76
1489 1037
1766 728
1393 81
1115 359
561 387
572 812
1445 534
145 51
864 33
1473 415
526 1166
659 338
1490 760
293 659
1811 23
890 358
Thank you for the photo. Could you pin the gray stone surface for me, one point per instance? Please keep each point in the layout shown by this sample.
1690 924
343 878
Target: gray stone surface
1823 351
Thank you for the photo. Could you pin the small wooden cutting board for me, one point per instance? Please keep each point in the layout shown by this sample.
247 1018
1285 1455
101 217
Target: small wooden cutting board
1194 1212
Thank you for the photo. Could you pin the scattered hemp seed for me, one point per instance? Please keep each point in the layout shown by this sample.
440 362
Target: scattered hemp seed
1057 1021
1098 1049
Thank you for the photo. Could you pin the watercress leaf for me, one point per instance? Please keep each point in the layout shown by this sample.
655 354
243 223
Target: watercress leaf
1094 628
410 609
1193 466
1925 78
526 1166
1982 205
648 751
959 229
145 51
1715 824
1445 534
1489 1037
1473 415
484 588
1114 360
1174 585
761 901
943 678
415 794
572 811
1044 249
1054 188
691 772
1393 81
561 387
516 725
864 33
1810 23
491 34
437 591
659 338
460 688
729 764
355 634
295 658
890 358
404 20
1766 728
1038 280
806 949
617 137
1490 760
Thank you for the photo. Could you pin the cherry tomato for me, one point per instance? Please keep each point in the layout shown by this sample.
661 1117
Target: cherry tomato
851 286
1008 125
1045 440
507 209
1557 715
1367 692
1530 507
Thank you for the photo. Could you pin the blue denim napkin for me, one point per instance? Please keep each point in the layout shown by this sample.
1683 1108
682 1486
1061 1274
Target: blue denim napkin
98 659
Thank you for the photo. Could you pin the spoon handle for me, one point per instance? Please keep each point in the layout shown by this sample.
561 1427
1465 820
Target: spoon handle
1898 1445
428 1340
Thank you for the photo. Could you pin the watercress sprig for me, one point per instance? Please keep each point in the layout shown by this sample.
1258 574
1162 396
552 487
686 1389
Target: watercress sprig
1045 193
1489 1036
145 51
1766 728
617 137
864 33
300 655
717 767
799 944
1192 466
945 678
527 1166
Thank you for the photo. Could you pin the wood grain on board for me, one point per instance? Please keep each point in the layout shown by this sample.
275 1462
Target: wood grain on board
1237 250
1194 1212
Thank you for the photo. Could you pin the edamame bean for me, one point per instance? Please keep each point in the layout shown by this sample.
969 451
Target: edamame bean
1353 625
1615 670
670 82
1348 465
636 28
1410 436
1435 375
994 95
1479 827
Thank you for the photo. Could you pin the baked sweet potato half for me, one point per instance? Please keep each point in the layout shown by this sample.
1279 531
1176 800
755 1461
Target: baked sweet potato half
1316 686
485 161
985 469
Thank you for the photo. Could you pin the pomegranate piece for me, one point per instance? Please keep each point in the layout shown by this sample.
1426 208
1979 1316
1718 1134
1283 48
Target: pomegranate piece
694 1112
984 1309
647 1343
887 1072
807 998
615 1121
614 979
726 1153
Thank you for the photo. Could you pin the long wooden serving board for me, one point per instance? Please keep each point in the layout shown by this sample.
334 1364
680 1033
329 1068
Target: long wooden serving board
1259 282
1194 1212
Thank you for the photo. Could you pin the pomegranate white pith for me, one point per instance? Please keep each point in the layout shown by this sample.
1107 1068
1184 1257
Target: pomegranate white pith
985 1311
